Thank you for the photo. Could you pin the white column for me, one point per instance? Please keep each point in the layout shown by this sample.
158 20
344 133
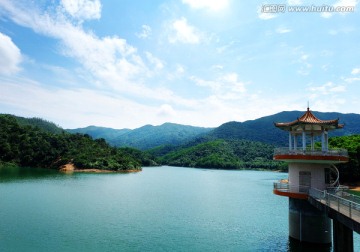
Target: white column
304 140
290 140
295 142
312 142
326 141
323 141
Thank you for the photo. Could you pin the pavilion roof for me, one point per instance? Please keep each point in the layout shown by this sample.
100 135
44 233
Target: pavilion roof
308 118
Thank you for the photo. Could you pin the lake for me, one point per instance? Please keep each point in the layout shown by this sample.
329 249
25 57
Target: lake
158 209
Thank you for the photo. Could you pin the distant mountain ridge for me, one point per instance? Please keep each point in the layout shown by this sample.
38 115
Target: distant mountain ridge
232 145
145 137
263 129
100 132
249 144
259 130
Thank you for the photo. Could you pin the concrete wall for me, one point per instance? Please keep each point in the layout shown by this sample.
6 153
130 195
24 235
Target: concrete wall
317 174
308 224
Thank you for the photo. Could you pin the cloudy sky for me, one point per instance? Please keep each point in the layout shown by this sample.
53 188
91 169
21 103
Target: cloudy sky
127 63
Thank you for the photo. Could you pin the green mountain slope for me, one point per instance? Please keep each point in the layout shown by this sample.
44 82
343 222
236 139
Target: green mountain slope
244 145
263 129
25 145
146 137
39 123
224 154
96 132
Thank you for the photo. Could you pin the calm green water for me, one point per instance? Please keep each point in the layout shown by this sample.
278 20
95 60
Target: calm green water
158 209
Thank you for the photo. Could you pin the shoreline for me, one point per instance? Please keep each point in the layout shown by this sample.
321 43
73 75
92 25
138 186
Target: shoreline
94 170
354 188
70 168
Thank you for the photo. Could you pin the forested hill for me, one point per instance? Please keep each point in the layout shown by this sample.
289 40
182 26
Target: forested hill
349 172
38 123
22 144
222 154
249 144
263 129
260 130
148 136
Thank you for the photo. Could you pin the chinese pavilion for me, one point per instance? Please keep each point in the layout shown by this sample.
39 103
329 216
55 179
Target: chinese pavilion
310 166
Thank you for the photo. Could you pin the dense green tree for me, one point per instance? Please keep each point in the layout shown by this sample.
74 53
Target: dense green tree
26 145
224 154
349 172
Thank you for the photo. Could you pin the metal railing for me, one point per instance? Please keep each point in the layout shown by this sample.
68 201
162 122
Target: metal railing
343 202
309 151
286 187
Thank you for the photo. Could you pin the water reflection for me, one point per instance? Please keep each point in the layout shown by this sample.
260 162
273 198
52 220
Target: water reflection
296 246
13 173
162 208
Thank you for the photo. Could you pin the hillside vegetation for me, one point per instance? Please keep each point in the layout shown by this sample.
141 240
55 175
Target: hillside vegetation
349 172
37 143
39 123
223 154
95 132
25 145
145 137
259 130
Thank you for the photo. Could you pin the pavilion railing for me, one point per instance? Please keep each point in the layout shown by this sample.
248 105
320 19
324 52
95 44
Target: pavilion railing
286 187
339 190
309 151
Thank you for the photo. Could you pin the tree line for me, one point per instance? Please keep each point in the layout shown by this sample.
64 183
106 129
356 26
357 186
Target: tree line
22 144
37 143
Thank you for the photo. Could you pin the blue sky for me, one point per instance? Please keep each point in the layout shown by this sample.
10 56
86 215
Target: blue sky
124 64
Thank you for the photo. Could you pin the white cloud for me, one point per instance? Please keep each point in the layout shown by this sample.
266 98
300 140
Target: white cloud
232 80
351 80
82 9
110 60
327 88
145 33
180 70
213 5
166 110
10 56
225 87
157 63
302 60
266 16
177 73
217 67
326 14
222 49
295 2
342 3
325 67
283 29
79 107
126 88
355 71
342 30
323 104
182 32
